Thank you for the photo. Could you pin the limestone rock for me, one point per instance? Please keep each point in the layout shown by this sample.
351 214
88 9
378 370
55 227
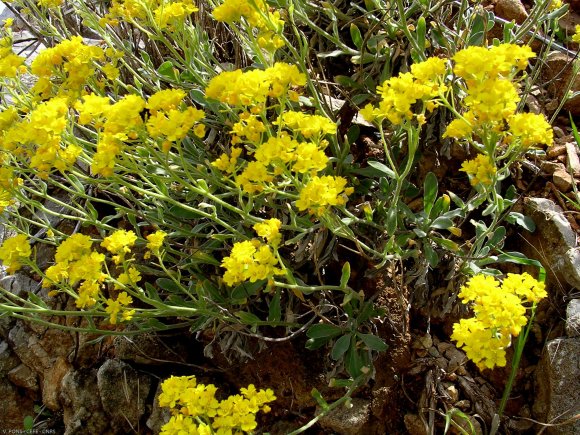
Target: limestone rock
573 318
83 411
348 420
52 383
554 240
558 386
562 180
22 376
159 416
123 392
511 10
558 73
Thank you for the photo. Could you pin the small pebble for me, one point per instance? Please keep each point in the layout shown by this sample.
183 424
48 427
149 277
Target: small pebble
562 180
555 151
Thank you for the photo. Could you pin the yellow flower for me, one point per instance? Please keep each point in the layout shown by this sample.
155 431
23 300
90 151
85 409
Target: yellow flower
119 243
322 192
576 37
530 129
480 170
165 100
15 250
155 241
499 315
250 260
227 163
308 125
269 230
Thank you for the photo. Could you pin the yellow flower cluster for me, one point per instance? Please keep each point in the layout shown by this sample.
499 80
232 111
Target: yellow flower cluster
114 307
252 88
250 260
117 123
65 68
167 14
492 96
154 243
7 182
257 14
481 170
576 36
500 313
168 122
323 192
253 260
13 251
196 410
121 122
39 136
75 262
10 63
297 147
399 94
119 243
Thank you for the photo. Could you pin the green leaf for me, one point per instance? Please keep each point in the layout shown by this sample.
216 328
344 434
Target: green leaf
152 292
275 310
430 255
248 318
347 82
442 223
353 134
373 342
345 276
316 343
476 31
356 36
421 32
340 347
183 213
323 330
497 236
319 399
384 169
391 226
353 363
334 53
523 221
446 243
166 70
168 285
28 423
430 188
359 99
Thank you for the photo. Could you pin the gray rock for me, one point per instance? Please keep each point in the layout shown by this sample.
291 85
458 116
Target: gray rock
159 416
573 318
348 420
8 360
554 241
123 392
563 180
19 285
511 10
23 376
558 386
83 411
